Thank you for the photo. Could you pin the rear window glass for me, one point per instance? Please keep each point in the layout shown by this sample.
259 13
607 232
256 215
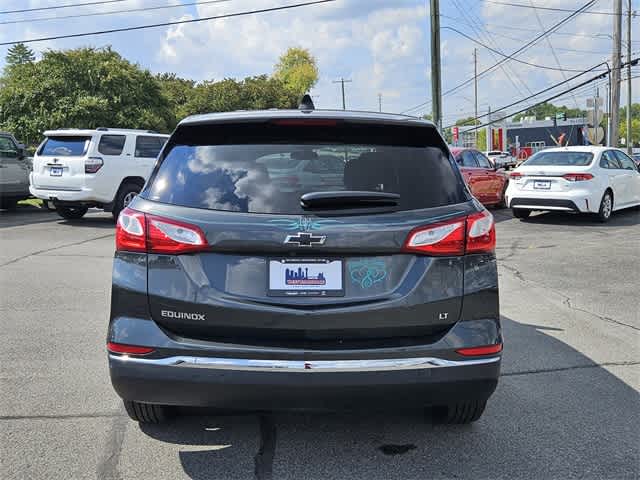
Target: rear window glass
263 173
149 147
65 146
575 159
111 144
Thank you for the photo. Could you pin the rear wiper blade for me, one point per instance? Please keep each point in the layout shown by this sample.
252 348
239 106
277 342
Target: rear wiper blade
348 198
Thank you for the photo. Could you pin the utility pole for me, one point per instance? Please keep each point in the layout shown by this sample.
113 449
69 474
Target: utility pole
380 102
489 142
436 87
616 71
475 93
342 81
629 137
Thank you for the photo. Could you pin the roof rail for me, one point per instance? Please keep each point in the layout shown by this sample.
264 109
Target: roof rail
102 129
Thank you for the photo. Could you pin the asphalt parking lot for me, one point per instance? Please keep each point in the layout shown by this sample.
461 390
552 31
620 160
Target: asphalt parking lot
567 405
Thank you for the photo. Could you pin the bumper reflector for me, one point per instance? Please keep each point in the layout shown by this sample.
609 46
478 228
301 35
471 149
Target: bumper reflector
475 351
128 349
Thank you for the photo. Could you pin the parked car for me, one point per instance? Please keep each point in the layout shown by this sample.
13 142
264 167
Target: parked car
487 183
303 169
104 168
636 158
14 171
587 179
501 159
232 292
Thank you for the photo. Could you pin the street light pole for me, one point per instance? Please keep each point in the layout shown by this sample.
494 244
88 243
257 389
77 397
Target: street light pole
436 87
342 81
616 71
629 136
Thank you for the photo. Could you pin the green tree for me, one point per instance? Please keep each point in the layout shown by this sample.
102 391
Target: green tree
81 88
178 91
540 112
464 122
297 70
635 123
19 54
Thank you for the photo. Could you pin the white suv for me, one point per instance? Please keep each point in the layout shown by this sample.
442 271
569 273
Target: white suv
104 168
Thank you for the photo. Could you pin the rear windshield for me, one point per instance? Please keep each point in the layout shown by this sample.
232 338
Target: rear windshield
267 172
65 146
575 159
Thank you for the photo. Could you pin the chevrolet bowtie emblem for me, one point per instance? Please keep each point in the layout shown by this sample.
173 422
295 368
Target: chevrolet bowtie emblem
303 239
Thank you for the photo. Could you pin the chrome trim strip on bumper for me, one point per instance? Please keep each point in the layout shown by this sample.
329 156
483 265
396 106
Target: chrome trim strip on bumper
308 366
541 207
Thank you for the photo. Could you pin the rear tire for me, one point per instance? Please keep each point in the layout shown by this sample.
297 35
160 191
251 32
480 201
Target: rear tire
72 213
126 193
146 412
606 207
460 413
521 213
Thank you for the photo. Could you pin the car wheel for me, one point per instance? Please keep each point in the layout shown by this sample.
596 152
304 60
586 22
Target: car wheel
521 213
606 207
71 213
146 412
127 193
460 413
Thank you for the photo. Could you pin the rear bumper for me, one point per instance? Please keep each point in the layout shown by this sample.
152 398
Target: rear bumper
276 385
582 200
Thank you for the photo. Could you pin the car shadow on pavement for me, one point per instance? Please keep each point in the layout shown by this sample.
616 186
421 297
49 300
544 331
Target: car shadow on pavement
25 215
621 218
555 414
91 220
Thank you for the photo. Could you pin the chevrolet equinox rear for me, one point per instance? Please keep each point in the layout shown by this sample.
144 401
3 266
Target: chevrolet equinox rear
371 282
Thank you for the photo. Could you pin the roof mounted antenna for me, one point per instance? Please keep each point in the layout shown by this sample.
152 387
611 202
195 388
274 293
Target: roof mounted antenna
306 104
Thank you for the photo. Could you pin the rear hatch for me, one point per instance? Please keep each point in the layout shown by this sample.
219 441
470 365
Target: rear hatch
59 163
329 270
552 171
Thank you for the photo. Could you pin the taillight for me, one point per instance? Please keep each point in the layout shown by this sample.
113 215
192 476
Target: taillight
445 238
113 347
474 234
481 233
516 175
476 351
93 164
577 177
130 231
139 232
170 236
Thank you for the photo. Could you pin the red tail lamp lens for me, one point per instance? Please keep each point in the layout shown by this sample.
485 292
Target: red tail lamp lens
128 349
478 351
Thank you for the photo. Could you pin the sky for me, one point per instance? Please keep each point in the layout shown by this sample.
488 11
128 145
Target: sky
382 46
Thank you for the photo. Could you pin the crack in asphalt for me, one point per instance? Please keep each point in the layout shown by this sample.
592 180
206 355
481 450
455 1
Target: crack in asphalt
574 367
39 252
263 460
62 416
567 300
108 466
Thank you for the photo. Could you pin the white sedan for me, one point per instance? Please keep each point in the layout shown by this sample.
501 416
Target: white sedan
589 179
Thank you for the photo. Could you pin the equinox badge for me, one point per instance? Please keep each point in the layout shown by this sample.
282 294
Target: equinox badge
185 315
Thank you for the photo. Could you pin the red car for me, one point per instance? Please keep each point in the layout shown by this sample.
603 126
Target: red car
486 183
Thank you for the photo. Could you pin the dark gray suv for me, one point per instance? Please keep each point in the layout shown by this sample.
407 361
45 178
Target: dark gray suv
366 278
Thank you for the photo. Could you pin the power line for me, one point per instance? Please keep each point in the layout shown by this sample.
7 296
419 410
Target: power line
54 7
552 9
519 50
113 12
548 99
167 24
510 57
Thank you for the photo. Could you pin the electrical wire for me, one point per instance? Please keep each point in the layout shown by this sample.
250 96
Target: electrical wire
167 24
551 9
519 50
54 7
113 12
